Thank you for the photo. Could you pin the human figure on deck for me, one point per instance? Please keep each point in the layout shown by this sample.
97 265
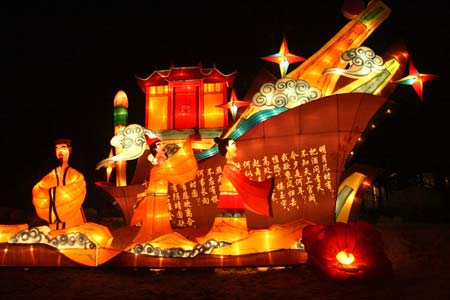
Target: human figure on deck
151 212
59 195
236 194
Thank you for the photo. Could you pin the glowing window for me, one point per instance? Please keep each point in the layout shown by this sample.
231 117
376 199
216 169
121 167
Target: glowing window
212 87
158 90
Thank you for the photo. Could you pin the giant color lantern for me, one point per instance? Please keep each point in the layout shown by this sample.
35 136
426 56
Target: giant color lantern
299 130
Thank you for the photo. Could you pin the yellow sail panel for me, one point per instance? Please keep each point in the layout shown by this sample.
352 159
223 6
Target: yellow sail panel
353 181
329 56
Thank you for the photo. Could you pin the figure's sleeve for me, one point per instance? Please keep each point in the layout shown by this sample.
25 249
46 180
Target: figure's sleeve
139 213
69 197
256 194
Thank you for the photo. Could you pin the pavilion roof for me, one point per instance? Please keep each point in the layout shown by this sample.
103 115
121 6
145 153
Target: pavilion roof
163 77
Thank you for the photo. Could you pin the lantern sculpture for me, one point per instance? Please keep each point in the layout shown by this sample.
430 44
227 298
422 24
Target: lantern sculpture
59 195
346 250
234 104
151 211
298 130
416 79
120 121
284 58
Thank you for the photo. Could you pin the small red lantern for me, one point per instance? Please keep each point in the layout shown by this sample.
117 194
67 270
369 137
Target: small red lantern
345 250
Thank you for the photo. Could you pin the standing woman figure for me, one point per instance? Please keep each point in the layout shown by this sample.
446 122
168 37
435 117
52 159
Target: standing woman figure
237 193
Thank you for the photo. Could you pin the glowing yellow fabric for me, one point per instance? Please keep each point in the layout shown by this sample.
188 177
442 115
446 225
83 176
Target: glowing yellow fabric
152 211
68 199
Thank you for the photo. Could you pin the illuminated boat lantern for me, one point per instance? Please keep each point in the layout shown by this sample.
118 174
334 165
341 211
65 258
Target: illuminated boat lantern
300 130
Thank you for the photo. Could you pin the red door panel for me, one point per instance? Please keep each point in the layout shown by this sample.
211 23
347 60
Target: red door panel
185 107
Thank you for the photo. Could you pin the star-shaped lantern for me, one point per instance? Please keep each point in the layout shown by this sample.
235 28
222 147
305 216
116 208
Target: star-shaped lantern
283 58
233 104
416 79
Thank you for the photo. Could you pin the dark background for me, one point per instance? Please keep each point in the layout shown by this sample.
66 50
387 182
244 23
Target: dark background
62 64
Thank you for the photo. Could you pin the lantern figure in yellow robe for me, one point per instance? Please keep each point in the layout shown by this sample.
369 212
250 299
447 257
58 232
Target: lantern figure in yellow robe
59 195
152 213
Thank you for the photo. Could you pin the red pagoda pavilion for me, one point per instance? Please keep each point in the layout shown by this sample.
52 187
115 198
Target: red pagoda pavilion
186 97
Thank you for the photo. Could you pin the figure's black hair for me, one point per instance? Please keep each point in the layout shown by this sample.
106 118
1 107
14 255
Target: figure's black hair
153 147
222 143
68 142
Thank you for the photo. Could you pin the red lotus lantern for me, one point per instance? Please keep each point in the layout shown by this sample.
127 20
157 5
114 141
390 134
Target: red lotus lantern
344 250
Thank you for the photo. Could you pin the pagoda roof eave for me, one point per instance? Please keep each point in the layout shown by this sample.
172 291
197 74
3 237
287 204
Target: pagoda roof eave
209 75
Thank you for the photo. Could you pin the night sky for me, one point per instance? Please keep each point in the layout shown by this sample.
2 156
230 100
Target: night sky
61 67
